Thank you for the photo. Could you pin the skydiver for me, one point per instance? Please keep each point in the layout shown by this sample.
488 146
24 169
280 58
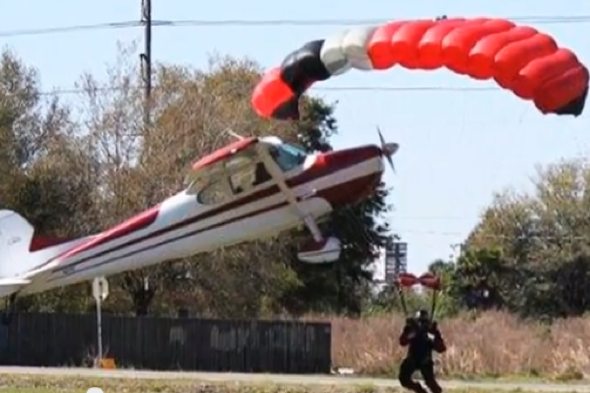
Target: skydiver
422 337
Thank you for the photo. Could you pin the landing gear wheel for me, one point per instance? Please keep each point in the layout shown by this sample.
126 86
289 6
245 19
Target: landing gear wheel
9 310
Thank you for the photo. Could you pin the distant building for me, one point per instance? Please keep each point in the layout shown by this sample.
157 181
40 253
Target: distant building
392 260
396 259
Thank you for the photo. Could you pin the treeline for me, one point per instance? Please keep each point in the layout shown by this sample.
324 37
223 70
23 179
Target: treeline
528 255
76 165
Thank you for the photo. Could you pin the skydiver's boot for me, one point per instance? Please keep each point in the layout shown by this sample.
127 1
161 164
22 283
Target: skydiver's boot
433 386
427 371
406 370
412 385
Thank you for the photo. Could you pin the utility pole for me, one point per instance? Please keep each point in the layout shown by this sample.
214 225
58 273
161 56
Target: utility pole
146 76
146 60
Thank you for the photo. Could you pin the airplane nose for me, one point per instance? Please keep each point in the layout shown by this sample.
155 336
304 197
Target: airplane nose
360 169
347 158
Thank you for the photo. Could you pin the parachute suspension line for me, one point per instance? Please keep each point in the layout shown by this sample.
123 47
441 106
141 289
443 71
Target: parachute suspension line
427 280
402 299
433 304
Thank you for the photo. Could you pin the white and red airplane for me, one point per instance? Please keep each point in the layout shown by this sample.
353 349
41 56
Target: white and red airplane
251 189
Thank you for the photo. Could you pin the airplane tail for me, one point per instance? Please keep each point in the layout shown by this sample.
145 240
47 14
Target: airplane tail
21 250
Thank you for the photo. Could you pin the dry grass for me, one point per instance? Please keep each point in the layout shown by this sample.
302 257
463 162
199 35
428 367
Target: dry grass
55 384
44 384
492 345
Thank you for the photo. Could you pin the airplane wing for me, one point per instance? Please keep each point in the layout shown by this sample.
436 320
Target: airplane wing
212 164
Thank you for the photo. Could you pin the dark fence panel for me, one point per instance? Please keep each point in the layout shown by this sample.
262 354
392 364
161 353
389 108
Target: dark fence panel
53 340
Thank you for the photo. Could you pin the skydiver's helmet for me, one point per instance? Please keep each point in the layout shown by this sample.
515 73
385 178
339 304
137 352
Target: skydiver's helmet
422 318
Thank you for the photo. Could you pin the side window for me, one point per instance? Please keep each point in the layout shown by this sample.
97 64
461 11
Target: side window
285 158
216 192
249 177
261 175
247 173
243 179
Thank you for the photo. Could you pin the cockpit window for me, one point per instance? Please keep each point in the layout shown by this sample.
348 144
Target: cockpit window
242 179
287 156
216 192
246 174
237 175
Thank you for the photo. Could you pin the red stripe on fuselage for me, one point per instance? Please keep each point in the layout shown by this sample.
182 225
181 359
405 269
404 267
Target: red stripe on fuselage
134 224
362 186
270 191
174 239
39 242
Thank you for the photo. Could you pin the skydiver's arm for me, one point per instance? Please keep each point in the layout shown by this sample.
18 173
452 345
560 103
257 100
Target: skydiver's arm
407 334
438 344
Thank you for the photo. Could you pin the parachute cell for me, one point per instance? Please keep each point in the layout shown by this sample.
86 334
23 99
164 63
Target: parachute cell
518 58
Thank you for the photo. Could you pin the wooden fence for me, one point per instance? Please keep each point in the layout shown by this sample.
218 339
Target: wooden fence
55 340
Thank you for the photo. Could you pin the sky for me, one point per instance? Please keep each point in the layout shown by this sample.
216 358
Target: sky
457 148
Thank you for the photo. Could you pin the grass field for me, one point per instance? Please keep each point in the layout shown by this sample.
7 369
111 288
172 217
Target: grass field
43 384
493 345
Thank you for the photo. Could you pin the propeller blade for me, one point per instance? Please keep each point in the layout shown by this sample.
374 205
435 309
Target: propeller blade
390 160
381 136
387 148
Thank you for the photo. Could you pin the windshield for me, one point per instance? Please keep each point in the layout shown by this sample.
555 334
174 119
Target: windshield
292 149
287 156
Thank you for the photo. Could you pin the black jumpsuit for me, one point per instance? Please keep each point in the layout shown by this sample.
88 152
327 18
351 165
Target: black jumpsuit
419 356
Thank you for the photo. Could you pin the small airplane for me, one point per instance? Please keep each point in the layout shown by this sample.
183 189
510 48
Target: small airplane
251 189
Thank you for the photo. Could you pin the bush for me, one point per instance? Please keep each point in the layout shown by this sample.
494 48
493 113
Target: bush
491 344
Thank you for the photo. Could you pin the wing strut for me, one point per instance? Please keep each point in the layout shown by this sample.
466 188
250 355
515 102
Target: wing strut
279 179
321 249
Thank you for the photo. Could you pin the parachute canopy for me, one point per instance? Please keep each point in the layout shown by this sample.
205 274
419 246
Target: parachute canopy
519 58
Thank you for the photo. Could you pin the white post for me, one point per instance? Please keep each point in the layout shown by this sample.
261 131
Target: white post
99 329
100 291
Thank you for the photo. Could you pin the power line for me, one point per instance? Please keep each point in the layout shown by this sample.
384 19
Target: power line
69 29
539 20
407 89
391 89
403 231
435 218
354 22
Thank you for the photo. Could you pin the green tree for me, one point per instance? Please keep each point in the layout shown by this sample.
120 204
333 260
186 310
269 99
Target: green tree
541 243
481 279
40 162
190 110
447 303
345 286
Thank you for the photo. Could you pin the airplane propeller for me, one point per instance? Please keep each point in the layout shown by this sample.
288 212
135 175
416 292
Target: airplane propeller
388 149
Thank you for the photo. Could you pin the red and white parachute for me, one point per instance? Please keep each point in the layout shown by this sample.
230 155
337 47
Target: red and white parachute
519 58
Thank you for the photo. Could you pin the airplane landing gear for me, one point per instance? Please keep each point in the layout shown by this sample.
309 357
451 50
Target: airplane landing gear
9 310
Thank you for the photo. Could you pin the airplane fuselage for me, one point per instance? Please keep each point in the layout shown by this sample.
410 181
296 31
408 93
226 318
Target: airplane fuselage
182 225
